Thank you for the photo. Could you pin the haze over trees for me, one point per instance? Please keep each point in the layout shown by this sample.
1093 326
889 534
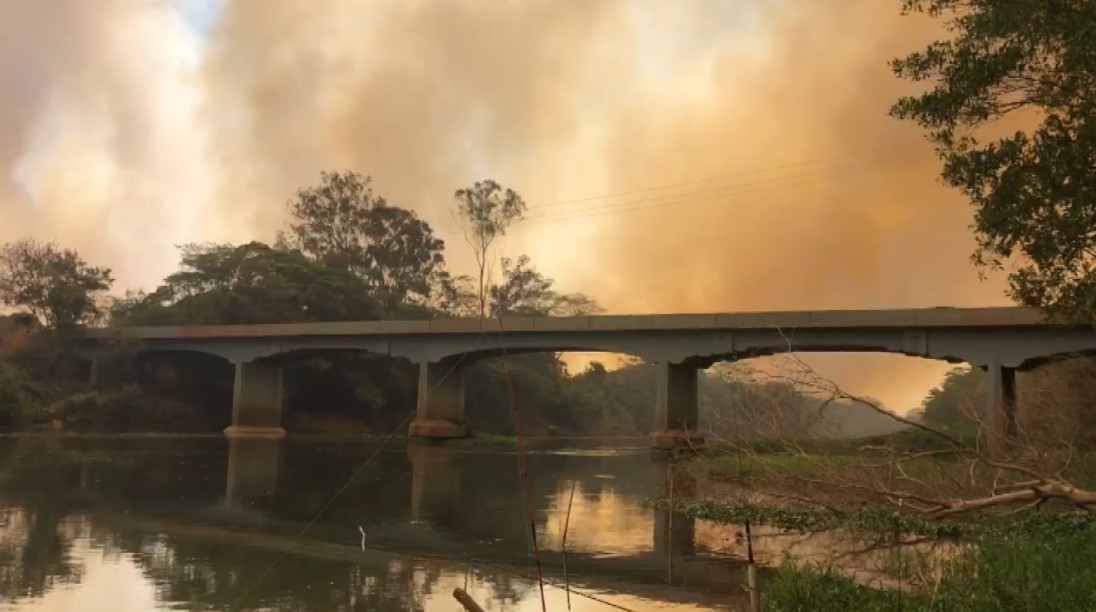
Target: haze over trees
348 254
1011 109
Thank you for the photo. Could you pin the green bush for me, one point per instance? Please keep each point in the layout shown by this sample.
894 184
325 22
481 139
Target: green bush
1032 571
1024 572
485 440
20 397
817 588
125 410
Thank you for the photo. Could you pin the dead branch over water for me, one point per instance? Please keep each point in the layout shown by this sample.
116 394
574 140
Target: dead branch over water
924 469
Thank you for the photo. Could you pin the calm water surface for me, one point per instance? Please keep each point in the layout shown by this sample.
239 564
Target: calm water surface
116 523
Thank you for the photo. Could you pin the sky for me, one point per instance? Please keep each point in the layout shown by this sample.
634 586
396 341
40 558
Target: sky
694 156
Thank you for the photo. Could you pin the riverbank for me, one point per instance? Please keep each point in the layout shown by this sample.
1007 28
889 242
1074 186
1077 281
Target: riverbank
1021 572
1025 559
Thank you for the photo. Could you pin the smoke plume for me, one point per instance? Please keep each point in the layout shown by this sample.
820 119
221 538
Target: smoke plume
688 156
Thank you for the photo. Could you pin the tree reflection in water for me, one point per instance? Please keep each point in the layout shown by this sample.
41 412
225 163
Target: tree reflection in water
204 521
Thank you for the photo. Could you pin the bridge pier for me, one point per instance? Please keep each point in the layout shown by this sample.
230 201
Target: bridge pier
440 406
1000 416
257 400
675 407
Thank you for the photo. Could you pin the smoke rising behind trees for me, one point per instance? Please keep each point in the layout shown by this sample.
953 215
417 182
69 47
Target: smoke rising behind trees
129 129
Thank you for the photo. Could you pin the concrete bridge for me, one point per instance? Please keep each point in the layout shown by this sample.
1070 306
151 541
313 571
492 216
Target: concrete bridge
998 340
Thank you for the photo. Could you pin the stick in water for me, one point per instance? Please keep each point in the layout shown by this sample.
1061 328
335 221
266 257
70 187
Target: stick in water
466 600
563 546
751 572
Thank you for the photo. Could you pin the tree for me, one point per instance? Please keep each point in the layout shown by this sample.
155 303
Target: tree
1034 191
952 405
526 292
250 283
485 211
343 222
454 296
523 290
55 285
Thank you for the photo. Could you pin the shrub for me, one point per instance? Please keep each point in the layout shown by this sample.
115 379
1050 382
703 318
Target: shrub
20 397
1027 571
817 588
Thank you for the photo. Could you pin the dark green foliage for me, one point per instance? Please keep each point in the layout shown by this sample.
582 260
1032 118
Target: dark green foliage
878 521
344 224
485 441
811 519
250 283
1025 570
616 402
537 387
1010 63
953 405
20 396
129 408
817 588
55 285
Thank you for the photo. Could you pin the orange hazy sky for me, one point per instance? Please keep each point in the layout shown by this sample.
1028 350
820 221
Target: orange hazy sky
694 156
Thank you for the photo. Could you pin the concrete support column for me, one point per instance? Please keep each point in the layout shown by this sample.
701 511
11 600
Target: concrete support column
257 400
252 470
1000 415
440 411
675 407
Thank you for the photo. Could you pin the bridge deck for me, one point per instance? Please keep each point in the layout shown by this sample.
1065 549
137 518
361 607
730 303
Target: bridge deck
815 319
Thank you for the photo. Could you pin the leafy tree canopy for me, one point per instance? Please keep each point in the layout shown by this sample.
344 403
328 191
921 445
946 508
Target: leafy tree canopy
55 285
953 404
250 283
525 291
1031 63
343 222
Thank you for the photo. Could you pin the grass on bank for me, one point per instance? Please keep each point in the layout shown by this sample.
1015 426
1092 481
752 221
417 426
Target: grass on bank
1036 560
484 440
802 518
1018 572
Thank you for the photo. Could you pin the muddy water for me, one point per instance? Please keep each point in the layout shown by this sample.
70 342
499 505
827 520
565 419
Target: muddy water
114 523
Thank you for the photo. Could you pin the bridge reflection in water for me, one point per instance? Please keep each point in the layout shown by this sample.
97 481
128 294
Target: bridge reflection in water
456 510
252 477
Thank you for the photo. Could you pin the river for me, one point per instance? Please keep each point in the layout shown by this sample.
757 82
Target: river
205 523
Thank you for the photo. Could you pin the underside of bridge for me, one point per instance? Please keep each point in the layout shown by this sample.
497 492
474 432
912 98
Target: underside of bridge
257 405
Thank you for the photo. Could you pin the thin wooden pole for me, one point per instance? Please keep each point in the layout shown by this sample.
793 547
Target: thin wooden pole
563 546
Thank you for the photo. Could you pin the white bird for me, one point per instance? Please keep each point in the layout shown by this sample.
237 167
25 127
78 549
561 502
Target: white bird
363 536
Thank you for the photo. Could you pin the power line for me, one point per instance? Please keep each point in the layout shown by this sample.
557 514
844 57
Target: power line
775 179
627 207
714 178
